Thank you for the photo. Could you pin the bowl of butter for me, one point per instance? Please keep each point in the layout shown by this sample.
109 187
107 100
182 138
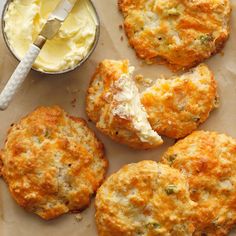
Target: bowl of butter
22 21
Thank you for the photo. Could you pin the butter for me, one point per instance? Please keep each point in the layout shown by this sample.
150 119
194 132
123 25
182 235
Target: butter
24 20
128 106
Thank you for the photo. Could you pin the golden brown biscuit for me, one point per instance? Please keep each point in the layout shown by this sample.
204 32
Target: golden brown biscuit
177 106
208 160
52 163
113 103
144 198
179 33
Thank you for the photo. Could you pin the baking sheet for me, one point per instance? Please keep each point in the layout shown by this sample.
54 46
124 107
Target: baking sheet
64 89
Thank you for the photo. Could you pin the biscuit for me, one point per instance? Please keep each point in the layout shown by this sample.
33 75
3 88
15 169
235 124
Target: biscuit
144 198
113 103
179 33
52 163
208 160
178 105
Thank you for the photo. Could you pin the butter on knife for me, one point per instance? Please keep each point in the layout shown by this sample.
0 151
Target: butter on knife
54 22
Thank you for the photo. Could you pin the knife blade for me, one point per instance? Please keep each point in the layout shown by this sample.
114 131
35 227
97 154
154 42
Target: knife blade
54 22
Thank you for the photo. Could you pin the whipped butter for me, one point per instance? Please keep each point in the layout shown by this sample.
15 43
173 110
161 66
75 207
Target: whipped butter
128 106
24 20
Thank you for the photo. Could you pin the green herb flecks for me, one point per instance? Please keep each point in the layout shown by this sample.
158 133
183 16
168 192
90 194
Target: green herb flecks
171 189
47 134
206 39
153 225
173 12
171 158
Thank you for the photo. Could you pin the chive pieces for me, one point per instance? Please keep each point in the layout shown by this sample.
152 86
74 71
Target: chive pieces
171 158
206 38
171 189
153 225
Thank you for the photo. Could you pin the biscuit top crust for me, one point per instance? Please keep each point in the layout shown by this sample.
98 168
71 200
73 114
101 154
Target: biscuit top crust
52 162
144 198
177 105
208 160
179 33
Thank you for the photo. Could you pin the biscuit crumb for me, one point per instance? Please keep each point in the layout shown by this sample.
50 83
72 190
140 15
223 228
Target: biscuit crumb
217 101
122 38
143 81
120 26
73 102
78 217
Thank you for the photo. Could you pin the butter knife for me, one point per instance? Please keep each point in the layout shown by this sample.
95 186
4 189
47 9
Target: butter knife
50 29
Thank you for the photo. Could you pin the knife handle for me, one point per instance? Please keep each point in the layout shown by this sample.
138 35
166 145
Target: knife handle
18 76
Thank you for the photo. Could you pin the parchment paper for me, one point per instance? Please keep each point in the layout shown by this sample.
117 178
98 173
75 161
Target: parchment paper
62 90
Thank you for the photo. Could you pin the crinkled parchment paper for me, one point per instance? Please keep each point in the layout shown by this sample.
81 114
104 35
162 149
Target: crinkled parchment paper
69 90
